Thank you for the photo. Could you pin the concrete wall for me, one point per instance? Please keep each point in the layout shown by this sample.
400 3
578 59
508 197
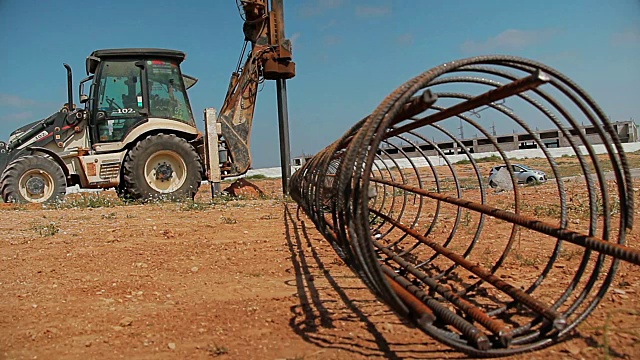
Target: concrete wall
275 172
513 154
627 132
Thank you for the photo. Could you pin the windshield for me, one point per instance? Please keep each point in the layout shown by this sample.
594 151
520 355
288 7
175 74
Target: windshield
167 94
120 92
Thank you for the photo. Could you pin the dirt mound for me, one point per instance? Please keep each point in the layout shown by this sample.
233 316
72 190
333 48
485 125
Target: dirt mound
245 189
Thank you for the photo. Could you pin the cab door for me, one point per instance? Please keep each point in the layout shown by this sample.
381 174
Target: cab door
119 104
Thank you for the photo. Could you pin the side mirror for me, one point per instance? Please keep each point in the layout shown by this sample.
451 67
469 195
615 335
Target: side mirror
84 98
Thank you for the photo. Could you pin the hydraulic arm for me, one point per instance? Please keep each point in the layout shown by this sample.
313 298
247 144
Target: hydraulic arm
269 59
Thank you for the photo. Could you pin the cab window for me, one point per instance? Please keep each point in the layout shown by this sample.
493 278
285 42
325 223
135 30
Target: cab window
167 94
120 98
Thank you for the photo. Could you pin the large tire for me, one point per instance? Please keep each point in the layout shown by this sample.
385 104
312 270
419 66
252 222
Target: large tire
161 167
33 179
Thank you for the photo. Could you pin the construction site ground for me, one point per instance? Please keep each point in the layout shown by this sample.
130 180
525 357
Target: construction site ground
232 279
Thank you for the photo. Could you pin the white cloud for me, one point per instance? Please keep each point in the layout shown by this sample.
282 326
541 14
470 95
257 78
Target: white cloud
19 117
566 55
629 37
405 39
294 38
332 40
512 39
332 23
372 11
15 101
319 7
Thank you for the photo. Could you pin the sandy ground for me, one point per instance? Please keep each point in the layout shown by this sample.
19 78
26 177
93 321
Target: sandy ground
248 279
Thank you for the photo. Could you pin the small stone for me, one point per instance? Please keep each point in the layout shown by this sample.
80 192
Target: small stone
127 321
388 328
117 328
87 344
194 269
171 346
573 348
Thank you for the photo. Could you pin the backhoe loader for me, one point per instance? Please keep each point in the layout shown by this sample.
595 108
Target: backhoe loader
136 131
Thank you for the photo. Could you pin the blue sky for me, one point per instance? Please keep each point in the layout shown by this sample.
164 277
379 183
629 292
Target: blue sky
350 54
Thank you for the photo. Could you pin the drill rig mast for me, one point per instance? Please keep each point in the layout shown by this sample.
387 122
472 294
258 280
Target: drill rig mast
269 59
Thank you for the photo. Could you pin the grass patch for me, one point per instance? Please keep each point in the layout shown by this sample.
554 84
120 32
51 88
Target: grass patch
533 183
492 158
88 201
224 198
191 205
570 254
374 220
217 350
17 206
548 210
524 260
255 177
610 329
228 220
466 218
45 230
486 159
111 215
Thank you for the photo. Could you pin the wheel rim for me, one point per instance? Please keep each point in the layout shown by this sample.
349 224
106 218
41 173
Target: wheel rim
165 171
36 185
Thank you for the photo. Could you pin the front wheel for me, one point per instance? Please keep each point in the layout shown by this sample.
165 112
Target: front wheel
162 166
33 179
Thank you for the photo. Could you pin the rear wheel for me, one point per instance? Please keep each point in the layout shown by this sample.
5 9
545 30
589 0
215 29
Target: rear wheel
33 179
162 166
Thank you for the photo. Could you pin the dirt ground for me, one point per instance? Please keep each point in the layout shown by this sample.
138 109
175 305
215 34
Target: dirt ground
241 279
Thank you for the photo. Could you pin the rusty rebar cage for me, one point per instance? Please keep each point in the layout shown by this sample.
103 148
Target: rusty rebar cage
431 238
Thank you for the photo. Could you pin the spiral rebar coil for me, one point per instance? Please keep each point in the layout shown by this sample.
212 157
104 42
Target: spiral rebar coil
438 245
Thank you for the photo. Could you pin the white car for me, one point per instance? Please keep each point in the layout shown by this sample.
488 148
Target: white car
522 173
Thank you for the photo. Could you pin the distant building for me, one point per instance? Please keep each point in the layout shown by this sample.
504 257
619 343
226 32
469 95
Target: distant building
297 162
627 132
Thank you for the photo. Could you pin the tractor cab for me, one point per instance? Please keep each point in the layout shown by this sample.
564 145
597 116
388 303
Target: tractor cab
132 87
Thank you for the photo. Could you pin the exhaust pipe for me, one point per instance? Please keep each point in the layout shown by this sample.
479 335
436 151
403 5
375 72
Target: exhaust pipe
69 87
